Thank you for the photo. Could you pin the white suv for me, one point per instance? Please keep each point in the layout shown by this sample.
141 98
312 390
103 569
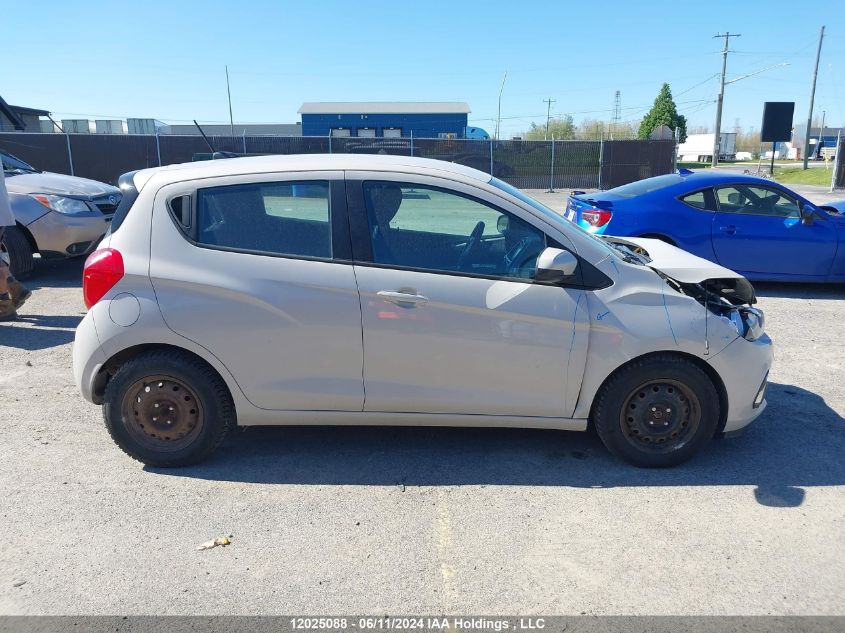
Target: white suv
381 290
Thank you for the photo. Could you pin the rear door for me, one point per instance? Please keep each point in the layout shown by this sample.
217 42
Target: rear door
453 321
257 270
758 229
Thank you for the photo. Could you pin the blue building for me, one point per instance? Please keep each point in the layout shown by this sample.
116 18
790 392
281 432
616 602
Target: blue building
388 119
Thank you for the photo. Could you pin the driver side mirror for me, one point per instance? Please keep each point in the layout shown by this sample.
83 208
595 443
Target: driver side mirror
808 212
555 265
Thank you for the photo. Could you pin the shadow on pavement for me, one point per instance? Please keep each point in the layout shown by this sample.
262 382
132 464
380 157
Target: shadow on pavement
799 291
797 442
44 331
56 273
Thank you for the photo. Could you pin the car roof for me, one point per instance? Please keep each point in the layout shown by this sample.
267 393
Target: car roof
305 162
709 177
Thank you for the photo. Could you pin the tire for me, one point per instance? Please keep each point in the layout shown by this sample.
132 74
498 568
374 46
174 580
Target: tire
167 408
20 252
657 412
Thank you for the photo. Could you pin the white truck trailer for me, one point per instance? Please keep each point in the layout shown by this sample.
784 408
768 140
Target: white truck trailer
699 147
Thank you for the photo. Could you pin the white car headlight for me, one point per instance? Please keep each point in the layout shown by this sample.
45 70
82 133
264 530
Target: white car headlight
61 204
749 322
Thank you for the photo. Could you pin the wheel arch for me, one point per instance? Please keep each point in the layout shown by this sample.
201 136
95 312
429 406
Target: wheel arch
28 235
119 358
661 237
695 360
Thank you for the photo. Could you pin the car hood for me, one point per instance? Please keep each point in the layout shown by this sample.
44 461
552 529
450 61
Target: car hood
59 184
837 207
677 263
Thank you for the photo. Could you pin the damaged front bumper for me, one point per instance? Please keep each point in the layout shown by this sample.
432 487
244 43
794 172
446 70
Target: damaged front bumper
744 367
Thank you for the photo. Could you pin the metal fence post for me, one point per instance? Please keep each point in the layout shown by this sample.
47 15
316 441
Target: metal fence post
836 160
675 154
601 157
412 142
491 156
552 170
244 139
69 154
158 149
330 143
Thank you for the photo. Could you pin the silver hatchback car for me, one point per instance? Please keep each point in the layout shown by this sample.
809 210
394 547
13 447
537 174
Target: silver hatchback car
382 290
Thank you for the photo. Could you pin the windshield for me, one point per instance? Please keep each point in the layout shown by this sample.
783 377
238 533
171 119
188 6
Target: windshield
15 165
648 185
549 214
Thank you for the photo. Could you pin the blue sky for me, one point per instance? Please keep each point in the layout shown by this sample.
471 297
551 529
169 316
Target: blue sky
166 60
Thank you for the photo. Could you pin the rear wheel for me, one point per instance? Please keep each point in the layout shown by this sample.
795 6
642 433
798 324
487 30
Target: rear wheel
659 411
167 408
19 249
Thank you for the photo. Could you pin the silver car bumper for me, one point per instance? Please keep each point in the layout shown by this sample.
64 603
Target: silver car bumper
60 235
744 366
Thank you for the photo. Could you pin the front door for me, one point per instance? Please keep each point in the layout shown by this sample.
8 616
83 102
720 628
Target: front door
758 229
452 320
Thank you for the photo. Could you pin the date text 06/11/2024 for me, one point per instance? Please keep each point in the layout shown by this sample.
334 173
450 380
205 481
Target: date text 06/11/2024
408 623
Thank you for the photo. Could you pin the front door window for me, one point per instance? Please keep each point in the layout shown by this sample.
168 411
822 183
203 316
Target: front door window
426 228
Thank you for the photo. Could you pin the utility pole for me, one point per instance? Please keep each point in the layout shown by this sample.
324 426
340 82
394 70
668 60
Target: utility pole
499 115
229 94
717 137
548 116
812 98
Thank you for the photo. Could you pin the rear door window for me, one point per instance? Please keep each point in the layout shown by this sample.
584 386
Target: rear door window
289 218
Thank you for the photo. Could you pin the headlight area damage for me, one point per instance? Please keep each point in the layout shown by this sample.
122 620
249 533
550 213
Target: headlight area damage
730 298
723 292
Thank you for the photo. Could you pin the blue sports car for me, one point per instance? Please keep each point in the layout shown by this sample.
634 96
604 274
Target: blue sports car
754 226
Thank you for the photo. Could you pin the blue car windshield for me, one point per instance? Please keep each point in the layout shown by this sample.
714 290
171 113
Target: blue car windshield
642 187
549 214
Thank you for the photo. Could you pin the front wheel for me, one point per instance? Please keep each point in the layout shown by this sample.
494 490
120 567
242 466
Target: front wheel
659 411
166 408
19 251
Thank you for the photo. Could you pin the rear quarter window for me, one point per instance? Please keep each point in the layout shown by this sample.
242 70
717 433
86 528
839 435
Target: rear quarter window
289 218
697 200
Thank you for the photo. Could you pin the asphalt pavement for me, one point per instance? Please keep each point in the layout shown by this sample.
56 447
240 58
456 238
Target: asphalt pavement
421 520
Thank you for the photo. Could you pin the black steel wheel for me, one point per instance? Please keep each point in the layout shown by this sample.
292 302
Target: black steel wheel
167 408
162 413
657 411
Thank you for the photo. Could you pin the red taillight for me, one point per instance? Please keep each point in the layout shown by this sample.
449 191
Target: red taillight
103 269
596 217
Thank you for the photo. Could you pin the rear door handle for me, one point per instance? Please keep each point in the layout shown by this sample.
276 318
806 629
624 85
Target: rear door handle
730 229
402 298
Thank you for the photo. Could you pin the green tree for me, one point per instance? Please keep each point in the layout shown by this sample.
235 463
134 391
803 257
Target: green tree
560 128
663 112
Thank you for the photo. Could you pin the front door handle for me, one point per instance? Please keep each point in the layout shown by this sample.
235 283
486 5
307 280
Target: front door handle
730 229
402 298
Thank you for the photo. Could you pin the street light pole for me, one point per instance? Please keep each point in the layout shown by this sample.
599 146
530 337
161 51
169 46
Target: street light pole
548 117
229 95
499 115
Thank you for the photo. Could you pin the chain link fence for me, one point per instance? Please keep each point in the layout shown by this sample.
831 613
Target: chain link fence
524 164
